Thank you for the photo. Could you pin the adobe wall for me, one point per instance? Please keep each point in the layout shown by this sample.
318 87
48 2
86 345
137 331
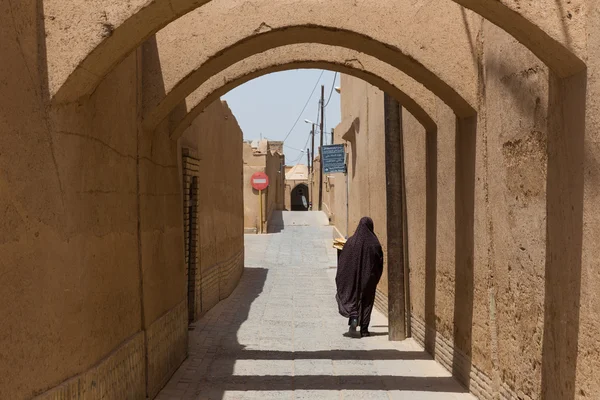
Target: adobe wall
362 129
273 196
91 245
328 191
69 211
213 144
482 217
477 277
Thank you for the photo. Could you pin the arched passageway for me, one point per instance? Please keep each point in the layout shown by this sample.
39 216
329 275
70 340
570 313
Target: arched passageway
107 184
419 103
299 198
77 70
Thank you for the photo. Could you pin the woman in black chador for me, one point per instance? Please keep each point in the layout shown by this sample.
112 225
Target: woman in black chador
359 270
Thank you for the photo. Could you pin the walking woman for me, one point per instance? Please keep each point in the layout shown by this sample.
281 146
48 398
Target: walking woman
359 270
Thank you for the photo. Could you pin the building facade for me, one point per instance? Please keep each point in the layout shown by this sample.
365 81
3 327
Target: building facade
298 195
263 156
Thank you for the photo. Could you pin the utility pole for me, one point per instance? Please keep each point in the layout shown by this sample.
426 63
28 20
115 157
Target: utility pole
308 159
311 174
312 150
332 130
321 149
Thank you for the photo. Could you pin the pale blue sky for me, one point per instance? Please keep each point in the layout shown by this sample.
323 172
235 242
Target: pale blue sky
271 104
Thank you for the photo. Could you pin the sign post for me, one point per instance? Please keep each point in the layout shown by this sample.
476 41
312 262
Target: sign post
261 211
260 181
347 199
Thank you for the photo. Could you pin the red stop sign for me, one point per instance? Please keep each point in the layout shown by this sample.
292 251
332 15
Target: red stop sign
259 181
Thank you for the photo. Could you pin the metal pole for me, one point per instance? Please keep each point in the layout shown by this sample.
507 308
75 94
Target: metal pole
261 211
312 151
347 197
311 177
321 148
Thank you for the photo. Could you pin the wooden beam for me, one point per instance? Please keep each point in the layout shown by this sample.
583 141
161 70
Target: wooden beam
395 219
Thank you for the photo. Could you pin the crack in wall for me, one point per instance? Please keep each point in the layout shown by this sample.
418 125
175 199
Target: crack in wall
42 108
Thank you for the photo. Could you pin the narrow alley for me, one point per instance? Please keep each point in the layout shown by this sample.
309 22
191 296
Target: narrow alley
279 335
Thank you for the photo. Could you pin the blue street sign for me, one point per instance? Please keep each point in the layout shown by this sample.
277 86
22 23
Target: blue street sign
334 158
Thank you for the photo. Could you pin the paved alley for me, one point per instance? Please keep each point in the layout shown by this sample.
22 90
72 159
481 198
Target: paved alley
279 336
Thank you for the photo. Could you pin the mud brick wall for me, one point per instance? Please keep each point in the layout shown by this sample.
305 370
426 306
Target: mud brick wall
167 347
120 375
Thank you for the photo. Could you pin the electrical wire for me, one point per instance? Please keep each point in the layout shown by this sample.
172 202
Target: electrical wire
305 105
332 87
292 148
297 160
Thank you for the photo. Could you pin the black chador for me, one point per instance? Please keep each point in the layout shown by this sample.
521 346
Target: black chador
359 270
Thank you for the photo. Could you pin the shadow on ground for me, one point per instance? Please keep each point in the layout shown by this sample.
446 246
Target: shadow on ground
219 366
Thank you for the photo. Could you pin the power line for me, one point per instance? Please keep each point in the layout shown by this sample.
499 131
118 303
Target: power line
305 105
292 148
297 160
332 87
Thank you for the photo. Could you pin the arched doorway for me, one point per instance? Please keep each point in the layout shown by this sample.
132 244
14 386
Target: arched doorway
299 199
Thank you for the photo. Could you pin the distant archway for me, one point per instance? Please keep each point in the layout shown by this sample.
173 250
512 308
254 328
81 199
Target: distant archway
299 198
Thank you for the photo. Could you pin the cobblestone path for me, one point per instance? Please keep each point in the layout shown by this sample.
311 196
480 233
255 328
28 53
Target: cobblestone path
279 336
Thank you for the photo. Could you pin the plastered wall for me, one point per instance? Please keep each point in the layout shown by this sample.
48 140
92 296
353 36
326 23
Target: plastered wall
213 140
69 210
362 129
483 271
272 164
91 245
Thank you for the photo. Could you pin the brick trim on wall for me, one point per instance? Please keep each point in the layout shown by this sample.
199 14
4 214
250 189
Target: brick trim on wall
453 360
466 373
219 281
167 341
120 375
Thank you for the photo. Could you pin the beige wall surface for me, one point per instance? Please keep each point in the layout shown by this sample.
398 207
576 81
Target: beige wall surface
483 212
362 130
275 170
271 162
91 245
480 284
68 206
328 191
214 137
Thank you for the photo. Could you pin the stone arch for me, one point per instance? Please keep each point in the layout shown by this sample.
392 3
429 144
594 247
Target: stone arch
182 80
186 62
103 39
420 102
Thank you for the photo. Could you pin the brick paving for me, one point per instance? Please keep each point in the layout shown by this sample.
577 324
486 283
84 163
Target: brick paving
279 336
